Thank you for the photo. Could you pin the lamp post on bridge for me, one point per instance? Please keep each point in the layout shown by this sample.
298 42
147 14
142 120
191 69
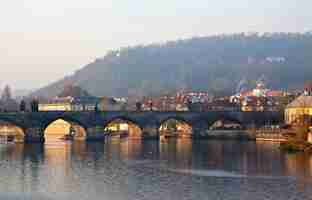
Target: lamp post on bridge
34 104
151 105
22 106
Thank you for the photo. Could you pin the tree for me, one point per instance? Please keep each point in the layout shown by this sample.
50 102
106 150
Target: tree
6 95
8 103
73 91
187 64
302 127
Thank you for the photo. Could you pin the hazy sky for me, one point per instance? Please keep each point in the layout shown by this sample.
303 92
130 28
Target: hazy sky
43 40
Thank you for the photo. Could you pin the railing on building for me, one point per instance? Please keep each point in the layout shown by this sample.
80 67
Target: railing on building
270 134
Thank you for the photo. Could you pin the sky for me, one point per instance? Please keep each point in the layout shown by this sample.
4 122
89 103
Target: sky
43 40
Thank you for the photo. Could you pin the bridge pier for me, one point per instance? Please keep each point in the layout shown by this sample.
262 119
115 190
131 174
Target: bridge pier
134 132
199 134
95 134
150 132
199 130
80 133
34 135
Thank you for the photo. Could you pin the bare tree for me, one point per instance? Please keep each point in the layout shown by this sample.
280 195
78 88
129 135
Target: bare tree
23 106
6 94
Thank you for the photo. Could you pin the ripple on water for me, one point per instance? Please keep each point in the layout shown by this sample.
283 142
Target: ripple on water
226 174
23 196
233 171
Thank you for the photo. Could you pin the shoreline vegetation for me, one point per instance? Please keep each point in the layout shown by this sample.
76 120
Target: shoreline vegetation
293 146
298 140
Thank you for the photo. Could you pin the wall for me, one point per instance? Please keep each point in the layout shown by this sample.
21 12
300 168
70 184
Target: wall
224 134
291 114
310 137
54 107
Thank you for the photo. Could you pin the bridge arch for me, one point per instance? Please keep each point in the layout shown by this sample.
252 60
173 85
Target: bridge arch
175 117
225 123
122 126
64 127
12 121
11 131
175 126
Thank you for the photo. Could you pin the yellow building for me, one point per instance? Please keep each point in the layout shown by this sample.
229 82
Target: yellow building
57 104
299 107
70 104
55 107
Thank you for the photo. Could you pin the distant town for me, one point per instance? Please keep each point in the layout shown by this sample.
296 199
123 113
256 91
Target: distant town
74 98
156 100
295 107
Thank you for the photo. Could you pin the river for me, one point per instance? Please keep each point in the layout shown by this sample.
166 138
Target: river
153 170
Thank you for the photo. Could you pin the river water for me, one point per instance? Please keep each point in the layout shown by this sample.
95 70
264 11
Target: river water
153 170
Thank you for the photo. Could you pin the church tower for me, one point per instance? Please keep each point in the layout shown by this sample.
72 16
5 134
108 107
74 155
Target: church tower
308 88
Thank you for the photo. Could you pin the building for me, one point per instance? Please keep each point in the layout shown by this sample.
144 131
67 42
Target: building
300 107
260 99
112 104
220 104
56 104
87 103
254 103
180 101
299 111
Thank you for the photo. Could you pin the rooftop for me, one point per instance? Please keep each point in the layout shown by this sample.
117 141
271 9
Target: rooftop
301 101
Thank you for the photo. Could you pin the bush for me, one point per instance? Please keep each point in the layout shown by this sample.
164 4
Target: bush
296 146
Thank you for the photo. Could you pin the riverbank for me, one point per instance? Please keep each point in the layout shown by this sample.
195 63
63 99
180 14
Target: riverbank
296 146
255 134
225 135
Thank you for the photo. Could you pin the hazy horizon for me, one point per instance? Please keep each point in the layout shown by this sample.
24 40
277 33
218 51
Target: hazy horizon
42 41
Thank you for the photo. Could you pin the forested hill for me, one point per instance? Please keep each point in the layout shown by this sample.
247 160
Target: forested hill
214 64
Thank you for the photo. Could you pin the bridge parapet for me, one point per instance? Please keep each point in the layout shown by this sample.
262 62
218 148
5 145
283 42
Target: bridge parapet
34 124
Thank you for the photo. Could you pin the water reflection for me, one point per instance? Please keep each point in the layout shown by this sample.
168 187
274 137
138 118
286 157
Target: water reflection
256 158
177 152
170 169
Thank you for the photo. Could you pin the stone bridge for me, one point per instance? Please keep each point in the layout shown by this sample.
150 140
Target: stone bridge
33 125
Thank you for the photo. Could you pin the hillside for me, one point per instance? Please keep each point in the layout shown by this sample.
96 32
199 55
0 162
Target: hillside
215 64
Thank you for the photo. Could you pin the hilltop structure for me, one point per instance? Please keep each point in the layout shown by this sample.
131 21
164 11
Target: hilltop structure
300 107
259 99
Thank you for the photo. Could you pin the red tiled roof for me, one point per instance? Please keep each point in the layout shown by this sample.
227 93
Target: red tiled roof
275 93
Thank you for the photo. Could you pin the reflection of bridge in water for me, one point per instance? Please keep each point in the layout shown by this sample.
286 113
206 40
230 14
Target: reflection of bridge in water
92 126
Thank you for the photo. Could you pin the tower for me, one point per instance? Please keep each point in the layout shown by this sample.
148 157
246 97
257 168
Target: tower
308 88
